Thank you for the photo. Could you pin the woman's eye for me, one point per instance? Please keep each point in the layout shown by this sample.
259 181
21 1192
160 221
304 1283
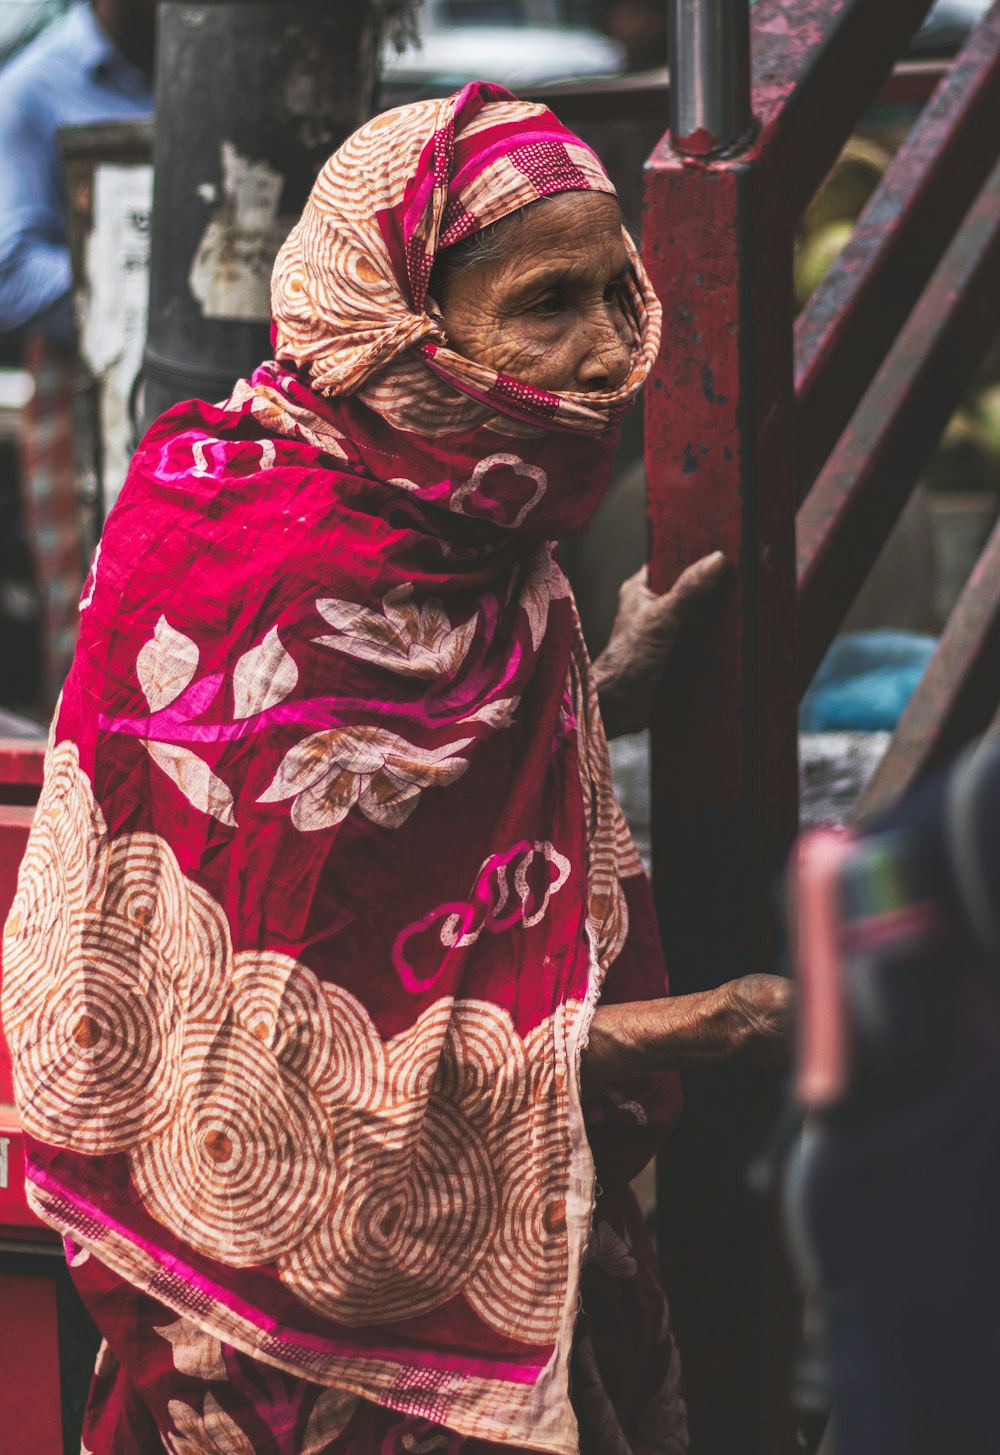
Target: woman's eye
551 303
614 291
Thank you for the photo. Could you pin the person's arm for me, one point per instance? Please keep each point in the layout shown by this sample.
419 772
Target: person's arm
749 1020
646 626
35 270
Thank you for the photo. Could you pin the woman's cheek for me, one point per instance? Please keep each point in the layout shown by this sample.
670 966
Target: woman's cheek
539 356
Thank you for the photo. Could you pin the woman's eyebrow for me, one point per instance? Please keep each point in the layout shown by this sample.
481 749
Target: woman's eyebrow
563 273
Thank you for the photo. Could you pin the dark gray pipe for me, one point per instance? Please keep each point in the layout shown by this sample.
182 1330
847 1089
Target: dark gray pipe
709 53
251 98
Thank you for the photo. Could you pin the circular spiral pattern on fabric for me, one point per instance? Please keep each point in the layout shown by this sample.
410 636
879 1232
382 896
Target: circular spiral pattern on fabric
281 1005
405 1239
412 1061
67 805
38 934
207 957
483 1068
146 888
247 1164
520 1289
99 1069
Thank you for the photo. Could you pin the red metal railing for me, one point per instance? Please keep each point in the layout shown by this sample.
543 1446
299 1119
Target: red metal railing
751 416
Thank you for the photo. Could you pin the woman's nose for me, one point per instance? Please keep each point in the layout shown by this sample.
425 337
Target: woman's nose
605 362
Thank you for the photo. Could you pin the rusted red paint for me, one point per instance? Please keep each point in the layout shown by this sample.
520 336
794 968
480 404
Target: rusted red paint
863 487
843 334
958 695
700 143
722 475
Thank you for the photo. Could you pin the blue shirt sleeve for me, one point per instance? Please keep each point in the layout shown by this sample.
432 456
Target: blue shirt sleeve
35 271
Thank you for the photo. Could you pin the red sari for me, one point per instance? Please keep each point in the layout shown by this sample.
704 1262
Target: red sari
327 875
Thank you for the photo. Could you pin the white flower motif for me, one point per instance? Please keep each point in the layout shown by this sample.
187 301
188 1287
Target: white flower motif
329 772
417 641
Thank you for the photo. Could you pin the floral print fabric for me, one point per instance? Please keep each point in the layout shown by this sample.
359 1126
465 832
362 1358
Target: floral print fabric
327 874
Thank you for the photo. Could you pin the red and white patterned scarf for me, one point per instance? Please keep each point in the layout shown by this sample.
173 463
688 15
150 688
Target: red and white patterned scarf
326 874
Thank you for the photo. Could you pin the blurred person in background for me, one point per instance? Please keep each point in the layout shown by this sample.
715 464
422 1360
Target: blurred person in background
894 1195
95 64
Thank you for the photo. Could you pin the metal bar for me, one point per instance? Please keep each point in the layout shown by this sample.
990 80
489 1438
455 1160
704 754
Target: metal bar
958 695
842 336
709 44
642 96
816 65
250 94
847 516
720 467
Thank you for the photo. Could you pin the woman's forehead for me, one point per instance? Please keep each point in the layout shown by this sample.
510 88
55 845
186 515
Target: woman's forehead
568 227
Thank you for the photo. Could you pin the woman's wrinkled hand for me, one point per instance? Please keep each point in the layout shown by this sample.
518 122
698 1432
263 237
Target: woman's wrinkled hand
646 627
756 1020
750 1021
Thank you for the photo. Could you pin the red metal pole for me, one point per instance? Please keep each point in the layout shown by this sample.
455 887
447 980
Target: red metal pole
720 465
720 461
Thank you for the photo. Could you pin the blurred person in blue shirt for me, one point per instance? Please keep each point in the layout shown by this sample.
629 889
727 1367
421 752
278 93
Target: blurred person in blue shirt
94 64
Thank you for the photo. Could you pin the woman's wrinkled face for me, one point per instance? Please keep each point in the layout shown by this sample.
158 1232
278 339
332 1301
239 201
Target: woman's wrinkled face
549 310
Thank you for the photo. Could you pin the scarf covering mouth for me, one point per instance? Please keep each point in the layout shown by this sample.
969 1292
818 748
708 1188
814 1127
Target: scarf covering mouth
326 874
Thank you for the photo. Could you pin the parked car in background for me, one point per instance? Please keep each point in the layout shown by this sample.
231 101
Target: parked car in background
517 43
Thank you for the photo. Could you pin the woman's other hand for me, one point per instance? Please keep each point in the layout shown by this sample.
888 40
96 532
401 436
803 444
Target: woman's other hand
750 1021
757 1020
646 627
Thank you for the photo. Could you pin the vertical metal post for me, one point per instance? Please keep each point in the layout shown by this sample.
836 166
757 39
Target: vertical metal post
708 45
720 470
251 99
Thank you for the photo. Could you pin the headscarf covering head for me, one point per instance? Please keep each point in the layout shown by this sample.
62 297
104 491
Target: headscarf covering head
349 291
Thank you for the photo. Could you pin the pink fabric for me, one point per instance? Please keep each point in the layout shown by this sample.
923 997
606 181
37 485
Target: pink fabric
327 871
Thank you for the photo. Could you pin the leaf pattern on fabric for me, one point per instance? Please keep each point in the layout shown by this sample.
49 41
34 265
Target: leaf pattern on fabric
331 1415
166 665
194 1352
329 772
544 583
263 677
497 714
202 788
417 641
205 1434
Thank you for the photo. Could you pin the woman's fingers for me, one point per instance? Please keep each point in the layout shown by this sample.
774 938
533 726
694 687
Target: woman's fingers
761 1019
699 579
642 639
692 586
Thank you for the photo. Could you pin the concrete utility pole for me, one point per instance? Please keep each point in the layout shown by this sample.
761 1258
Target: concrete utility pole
251 97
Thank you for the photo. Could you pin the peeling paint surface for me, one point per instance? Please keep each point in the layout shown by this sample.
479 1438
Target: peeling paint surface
231 272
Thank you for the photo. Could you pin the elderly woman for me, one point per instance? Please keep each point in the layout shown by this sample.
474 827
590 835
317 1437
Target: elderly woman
332 971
